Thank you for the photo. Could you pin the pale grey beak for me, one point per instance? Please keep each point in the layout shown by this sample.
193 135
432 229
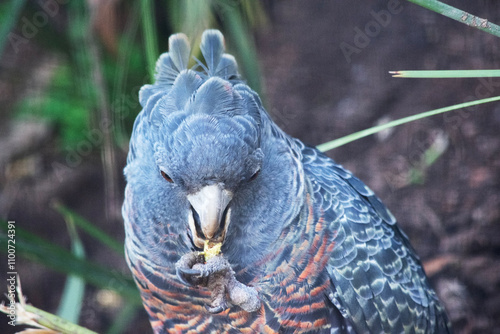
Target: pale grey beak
210 214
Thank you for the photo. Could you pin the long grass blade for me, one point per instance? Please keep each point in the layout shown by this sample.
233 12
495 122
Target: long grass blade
10 17
39 250
123 70
360 134
446 74
104 115
89 228
54 322
45 322
459 15
191 17
245 47
74 289
150 39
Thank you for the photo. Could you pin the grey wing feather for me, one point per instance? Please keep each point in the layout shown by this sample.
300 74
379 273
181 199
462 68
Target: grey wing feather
377 279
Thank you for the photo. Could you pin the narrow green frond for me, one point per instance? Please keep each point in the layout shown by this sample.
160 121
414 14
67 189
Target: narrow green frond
245 48
56 323
9 19
149 32
74 289
446 74
89 228
360 134
459 15
39 250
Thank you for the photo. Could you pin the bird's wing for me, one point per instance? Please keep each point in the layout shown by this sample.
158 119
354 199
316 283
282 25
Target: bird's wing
376 278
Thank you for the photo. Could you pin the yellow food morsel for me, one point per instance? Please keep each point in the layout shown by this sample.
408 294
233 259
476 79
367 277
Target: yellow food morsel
211 250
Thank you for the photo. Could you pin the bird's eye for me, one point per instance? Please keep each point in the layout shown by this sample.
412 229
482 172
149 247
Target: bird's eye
254 176
166 177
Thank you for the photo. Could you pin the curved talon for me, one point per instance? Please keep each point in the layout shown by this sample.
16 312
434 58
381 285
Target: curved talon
181 277
216 309
190 271
184 269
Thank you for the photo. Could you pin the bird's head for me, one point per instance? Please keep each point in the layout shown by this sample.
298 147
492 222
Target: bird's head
205 158
207 151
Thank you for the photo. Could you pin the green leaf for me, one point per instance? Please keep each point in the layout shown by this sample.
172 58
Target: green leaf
430 156
363 133
39 250
60 105
125 66
74 289
149 32
54 322
194 17
459 15
9 18
446 74
245 48
89 228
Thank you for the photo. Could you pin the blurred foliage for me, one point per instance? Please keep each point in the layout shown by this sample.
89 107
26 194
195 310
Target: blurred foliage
62 105
9 14
68 88
40 250
74 219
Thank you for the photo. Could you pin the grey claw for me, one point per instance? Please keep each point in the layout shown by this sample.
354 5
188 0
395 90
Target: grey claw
188 271
216 309
180 276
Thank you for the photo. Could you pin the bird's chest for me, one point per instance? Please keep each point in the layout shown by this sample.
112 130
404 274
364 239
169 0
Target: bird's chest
292 288
289 307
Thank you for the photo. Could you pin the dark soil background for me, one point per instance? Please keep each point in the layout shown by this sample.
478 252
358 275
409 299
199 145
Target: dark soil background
450 209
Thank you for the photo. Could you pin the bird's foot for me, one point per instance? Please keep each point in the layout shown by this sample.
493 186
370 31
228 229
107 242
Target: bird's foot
186 273
191 268
243 295
216 274
215 308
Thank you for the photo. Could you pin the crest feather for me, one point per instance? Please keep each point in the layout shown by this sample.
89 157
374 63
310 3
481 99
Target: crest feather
171 63
227 68
179 50
212 48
